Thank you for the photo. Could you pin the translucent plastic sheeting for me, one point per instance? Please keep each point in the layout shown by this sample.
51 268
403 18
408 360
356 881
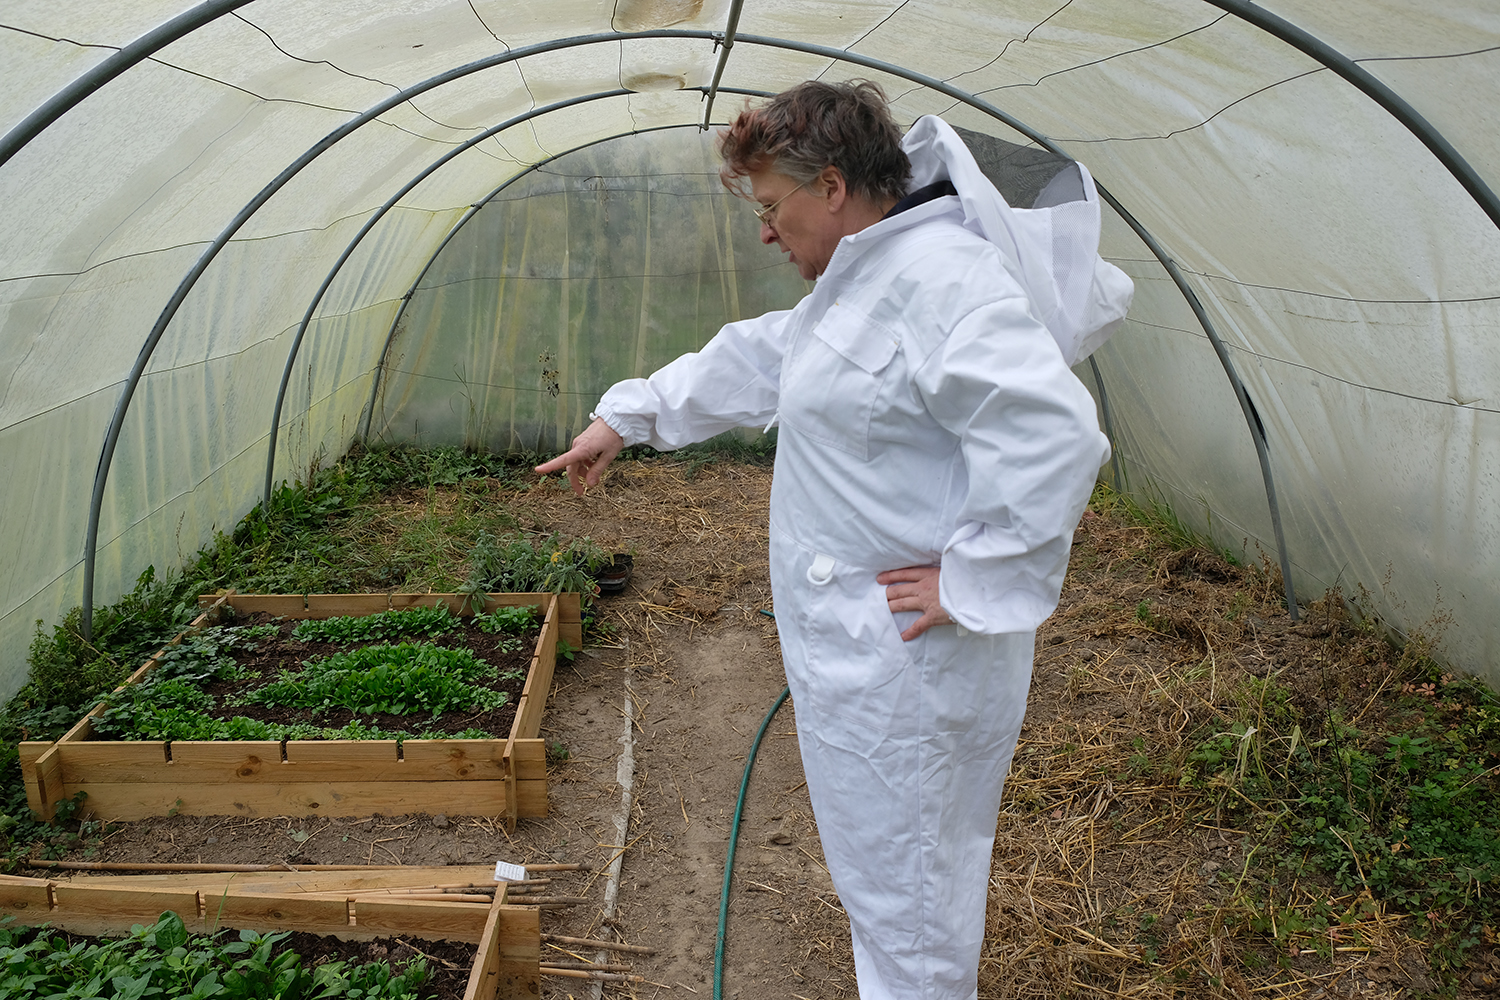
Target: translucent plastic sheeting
1163 381
1441 57
106 238
1353 281
604 264
524 328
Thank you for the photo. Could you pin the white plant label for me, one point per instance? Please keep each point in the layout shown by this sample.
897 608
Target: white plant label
507 872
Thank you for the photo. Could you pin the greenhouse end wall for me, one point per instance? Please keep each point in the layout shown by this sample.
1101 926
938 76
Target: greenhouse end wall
604 264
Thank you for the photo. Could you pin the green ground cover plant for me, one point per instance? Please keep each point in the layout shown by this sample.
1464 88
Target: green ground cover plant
516 619
406 678
69 672
1400 807
325 535
401 679
163 960
399 624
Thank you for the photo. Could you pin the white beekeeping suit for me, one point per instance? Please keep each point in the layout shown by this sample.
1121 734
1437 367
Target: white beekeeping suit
928 417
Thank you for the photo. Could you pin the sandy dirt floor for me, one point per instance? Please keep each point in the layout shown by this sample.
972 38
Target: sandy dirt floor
1097 877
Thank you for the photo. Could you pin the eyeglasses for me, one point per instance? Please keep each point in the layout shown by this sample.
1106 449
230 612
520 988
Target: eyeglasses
764 214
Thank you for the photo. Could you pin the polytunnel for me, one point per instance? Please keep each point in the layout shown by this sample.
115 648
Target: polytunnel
239 236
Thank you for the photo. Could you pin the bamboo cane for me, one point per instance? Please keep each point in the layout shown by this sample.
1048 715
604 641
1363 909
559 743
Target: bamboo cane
469 889
589 966
634 949
165 866
438 897
603 977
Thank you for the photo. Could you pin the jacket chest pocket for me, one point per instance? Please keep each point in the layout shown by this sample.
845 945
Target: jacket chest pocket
830 390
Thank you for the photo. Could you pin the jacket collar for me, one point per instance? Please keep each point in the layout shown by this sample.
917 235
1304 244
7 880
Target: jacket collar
851 248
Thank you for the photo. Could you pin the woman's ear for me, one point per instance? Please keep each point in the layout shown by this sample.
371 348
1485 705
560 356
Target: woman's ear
835 190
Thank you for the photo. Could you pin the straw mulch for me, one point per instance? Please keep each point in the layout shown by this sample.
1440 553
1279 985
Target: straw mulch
1115 872
702 525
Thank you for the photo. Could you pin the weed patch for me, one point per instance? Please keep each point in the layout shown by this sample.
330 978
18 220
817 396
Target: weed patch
522 565
347 529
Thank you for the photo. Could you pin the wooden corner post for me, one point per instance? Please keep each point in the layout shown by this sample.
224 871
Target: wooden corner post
508 959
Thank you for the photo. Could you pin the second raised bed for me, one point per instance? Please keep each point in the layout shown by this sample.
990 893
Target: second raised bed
128 780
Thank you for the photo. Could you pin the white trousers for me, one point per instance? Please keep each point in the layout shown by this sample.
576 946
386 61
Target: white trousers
906 747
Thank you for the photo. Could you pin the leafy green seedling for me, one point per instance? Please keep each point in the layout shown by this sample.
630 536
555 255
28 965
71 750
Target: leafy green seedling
513 620
398 679
163 960
401 624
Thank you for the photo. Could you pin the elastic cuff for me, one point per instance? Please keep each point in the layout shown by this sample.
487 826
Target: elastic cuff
632 428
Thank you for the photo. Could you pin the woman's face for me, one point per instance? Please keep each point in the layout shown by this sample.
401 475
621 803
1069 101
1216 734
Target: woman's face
803 222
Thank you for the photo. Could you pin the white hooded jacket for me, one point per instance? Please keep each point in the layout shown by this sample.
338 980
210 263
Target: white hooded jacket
928 413
929 417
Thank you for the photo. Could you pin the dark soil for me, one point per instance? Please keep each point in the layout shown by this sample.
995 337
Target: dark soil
448 962
272 657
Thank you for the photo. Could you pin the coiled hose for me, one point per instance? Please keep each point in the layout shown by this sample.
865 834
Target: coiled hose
734 835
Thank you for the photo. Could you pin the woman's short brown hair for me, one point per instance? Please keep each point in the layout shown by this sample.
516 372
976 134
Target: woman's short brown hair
812 125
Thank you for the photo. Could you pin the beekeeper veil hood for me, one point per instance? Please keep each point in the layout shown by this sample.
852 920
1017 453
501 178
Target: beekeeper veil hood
1051 249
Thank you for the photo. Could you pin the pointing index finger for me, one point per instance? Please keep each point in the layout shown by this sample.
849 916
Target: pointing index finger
560 462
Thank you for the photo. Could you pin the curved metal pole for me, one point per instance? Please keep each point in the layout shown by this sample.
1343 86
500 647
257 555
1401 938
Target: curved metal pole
74 93
1109 425
1370 86
1261 450
731 25
291 358
117 419
112 435
474 210
390 336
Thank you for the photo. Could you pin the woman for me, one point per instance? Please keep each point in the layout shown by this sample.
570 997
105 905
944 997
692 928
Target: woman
935 456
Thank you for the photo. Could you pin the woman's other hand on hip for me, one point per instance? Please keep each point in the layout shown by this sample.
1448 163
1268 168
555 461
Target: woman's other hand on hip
914 588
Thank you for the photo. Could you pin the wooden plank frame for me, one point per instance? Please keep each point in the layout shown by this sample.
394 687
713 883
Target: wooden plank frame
129 780
506 962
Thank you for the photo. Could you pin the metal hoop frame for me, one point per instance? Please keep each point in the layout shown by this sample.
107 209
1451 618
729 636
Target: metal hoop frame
205 13
375 217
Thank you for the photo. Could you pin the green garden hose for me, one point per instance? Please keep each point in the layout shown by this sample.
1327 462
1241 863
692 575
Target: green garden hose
734 833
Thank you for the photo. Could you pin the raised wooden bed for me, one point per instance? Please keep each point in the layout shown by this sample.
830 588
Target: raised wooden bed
351 904
125 780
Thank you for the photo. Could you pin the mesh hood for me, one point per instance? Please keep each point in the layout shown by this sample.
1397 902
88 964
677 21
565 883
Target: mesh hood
1052 251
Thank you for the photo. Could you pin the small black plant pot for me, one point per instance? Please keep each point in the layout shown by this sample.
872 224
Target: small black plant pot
614 575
